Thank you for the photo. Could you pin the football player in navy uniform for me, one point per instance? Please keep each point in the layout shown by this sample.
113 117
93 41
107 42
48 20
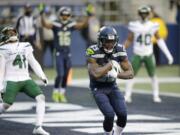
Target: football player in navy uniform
62 30
104 61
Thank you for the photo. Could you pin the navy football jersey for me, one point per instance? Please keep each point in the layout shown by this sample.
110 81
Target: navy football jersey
62 34
102 58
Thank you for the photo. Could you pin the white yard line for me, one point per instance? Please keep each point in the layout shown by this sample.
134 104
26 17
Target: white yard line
85 84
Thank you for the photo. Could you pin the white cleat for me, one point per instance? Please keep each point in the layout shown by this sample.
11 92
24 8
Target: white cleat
157 100
40 131
128 99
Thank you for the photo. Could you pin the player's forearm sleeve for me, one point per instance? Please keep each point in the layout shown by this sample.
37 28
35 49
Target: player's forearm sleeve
162 45
36 66
2 71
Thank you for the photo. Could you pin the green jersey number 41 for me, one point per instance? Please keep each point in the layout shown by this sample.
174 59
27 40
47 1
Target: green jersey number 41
20 61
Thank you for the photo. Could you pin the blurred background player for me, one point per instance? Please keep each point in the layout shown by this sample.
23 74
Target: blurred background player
141 33
47 34
102 59
90 32
163 33
28 32
62 29
14 76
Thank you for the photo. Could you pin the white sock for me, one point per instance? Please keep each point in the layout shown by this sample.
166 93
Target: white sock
118 130
108 133
2 108
155 86
62 90
40 109
56 90
128 89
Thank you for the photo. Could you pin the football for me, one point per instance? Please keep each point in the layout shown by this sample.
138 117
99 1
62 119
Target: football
115 69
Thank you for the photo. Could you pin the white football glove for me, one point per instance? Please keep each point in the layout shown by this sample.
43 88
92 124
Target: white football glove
115 69
116 66
45 81
112 73
170 60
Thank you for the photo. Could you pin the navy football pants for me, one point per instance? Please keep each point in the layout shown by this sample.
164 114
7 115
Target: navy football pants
111 101
63 65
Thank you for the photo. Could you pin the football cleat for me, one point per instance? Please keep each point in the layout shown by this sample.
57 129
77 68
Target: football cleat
157 100
40 131
55 96
62 98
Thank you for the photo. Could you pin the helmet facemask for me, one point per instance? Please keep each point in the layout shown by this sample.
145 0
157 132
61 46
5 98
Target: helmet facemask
108 43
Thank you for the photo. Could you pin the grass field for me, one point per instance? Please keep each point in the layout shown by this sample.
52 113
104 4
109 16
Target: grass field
161 71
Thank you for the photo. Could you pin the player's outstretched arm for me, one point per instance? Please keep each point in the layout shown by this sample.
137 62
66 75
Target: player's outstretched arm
37 68
98 71
129 40
2 72
127 72
45 23
162 45
82 24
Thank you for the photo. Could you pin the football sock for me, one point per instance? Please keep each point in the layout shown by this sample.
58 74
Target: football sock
155 86
108 133
62 90
40 109
128 89
118 130
2 109
56 90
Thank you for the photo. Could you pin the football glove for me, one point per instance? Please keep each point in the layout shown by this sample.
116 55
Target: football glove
45 81
116 66
115 69
112 73
170 60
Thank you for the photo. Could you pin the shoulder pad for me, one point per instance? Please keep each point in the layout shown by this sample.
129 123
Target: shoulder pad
121 47
132 25
57 24
92 50
155 26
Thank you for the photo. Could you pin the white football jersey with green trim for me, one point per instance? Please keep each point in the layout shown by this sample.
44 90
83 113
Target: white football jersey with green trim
16 54
143 33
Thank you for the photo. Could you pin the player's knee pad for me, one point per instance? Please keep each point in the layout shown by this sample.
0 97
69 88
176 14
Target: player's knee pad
122 119
40 98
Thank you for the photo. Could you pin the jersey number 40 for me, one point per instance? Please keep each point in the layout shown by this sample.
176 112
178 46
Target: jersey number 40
144 39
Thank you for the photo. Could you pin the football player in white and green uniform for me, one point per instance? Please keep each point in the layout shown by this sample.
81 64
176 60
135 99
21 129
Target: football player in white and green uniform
141 33
14 75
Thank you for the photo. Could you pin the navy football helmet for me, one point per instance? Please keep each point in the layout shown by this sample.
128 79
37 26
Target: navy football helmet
64 14
107 39
65 11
